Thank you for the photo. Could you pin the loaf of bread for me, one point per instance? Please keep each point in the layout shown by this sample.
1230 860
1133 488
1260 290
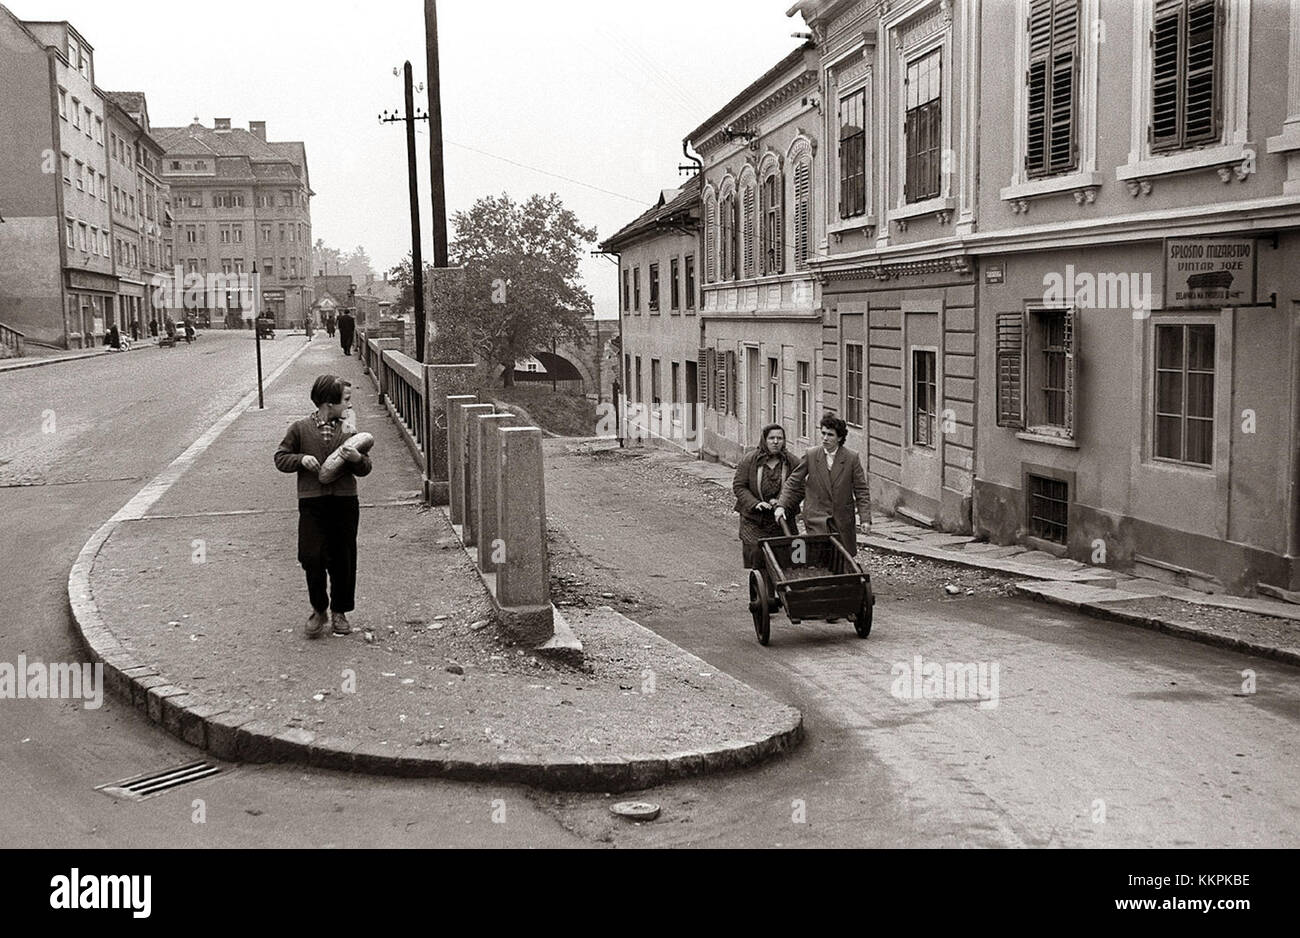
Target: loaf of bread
333 467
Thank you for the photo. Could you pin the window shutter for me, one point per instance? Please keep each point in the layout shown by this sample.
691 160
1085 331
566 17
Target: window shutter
845 176
1071 370
710 242
1200 88
720 381
802 206
780 226
1065 79
1010 369
748 230
707 389
731 385
1165 91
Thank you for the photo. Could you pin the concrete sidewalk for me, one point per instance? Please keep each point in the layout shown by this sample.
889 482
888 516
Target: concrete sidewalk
1266 627
193 598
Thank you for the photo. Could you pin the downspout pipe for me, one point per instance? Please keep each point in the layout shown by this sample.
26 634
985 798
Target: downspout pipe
699 269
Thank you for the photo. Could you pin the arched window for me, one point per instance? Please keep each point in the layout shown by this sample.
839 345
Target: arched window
710 239
748 228
727 237
772 212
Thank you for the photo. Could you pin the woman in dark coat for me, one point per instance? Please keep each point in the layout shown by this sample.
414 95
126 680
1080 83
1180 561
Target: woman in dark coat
757 485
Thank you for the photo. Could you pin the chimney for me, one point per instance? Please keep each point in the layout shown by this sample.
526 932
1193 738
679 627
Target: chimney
258 129
221 125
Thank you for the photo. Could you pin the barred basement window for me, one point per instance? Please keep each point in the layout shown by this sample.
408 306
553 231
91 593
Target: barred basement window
1184 398
1049 509
923 128
1052 81
853 384
924 396
1186 44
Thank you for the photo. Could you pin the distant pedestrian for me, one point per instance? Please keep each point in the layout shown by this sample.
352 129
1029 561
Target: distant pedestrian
135 330
830 482
329 324
328 513
114 338
347 331
153 328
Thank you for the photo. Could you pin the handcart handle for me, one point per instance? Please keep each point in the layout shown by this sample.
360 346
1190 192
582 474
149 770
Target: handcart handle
785 526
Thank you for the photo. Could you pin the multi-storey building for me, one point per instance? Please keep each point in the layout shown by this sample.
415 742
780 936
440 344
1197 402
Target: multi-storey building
1050 268
241 202
660 327
143 199
60 289
762 197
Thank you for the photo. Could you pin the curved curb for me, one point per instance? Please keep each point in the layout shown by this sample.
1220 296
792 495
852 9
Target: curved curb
243 737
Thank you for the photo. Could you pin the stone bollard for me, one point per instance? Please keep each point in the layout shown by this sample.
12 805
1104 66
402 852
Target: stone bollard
440 383
523 581
472 412
486 532
456 455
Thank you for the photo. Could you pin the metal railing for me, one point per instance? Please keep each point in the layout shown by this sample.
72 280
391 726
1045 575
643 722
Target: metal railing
13 340
401 382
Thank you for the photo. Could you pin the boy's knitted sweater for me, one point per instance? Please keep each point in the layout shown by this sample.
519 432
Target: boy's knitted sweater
304 439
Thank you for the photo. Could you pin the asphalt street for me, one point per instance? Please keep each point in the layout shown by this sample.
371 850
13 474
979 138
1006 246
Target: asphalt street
79 439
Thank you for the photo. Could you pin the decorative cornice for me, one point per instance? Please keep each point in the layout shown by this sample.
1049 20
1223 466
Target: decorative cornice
891 270
773 102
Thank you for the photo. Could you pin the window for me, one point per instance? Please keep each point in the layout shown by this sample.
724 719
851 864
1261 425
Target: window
90 124
731 405
76 113
654 288
1036 364
708 378
282 234
802 212
1184 398
637 391
675 291
1185 51
636 289
773 390
99 131
268 267
103 188
804 371
1051 358
225 234
655 397
924 386
74 53
238 232
81 176
923 128
1049 509
727 238
627 290
674 392
853 383
1053 80
286 198
853 154
690 281
773 197
293 267
266 232
748 231
82 233
69 233
265 201
63 104
191 235
710 240
67 169
85 63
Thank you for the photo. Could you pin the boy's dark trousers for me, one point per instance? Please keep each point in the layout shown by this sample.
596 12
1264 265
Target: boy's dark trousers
327 543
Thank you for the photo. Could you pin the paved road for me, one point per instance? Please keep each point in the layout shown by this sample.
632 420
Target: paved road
113 423
1104 735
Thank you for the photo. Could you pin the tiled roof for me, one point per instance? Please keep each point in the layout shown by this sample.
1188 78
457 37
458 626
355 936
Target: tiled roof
665 211
130 101
197 139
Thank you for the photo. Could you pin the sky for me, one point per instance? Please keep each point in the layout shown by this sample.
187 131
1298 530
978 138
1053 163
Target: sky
592 97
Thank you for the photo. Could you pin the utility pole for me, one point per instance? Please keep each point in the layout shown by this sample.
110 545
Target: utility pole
436 166
417 253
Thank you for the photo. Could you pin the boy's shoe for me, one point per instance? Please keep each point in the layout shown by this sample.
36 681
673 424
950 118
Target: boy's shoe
341 624
315 625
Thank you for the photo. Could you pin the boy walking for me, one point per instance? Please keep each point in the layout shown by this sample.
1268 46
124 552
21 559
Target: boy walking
328 513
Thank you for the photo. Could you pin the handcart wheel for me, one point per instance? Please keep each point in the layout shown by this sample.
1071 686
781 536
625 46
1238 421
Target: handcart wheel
759 606
862 621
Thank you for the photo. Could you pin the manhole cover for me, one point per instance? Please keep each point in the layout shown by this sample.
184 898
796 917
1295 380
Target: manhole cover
140 787
636 810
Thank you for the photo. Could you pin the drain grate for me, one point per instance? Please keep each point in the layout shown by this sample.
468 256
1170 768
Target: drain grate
140 787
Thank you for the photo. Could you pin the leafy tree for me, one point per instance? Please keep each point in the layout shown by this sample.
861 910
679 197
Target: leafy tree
521 288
